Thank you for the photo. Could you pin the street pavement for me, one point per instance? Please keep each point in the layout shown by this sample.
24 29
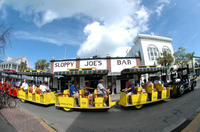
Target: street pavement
162 116
5 126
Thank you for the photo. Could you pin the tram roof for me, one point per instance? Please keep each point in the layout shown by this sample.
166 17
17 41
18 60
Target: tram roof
42 74
82 72
143 70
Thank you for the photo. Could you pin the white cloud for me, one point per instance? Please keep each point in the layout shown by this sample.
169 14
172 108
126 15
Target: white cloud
159 9
115 25
47 38
162 4
164 1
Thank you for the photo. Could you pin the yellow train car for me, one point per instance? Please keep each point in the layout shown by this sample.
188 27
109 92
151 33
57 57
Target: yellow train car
68 103
39 98
147 93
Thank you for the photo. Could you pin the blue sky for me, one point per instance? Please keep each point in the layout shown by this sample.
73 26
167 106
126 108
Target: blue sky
44 29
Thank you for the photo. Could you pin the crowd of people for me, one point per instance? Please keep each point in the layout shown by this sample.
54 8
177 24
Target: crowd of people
17 83
131 85
89 91
130 88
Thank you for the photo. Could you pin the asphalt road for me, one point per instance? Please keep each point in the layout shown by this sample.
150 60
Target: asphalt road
5 126
157 117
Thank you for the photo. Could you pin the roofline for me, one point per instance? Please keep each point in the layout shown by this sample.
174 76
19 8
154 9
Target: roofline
196 56
153 37
96 58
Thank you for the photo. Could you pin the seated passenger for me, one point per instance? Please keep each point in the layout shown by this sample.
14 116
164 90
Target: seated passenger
34 87
18 84
47 87
87 89
44 88
25 86
73 91
102 91
149 83
130 89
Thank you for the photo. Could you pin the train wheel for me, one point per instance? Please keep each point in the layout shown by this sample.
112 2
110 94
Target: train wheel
181 90
67 109
138 106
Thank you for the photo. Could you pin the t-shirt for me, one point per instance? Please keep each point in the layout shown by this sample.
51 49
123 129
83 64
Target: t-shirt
18 84
25 86
100 89
72 89
163 82
132 86
43 88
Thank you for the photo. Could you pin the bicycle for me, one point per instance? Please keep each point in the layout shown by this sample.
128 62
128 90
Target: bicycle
7 100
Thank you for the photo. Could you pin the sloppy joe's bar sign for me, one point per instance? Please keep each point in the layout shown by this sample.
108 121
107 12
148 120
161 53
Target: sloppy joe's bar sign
98 64
117 65
64 65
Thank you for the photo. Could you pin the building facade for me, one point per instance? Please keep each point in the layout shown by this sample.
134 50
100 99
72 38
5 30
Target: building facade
73 69
150 47
12 64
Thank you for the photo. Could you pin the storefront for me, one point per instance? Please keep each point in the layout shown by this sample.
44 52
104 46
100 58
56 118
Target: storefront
91 70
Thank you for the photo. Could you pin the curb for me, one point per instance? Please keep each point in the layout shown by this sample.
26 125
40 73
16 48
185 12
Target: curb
175 125
194 126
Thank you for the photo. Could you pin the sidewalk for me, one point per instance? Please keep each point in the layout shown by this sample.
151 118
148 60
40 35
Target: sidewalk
24 121
5 126
194 126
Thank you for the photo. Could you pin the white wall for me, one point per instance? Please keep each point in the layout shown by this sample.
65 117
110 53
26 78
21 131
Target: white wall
159 44
142 45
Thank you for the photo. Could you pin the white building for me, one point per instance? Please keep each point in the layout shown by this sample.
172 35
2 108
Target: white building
150 47
13 63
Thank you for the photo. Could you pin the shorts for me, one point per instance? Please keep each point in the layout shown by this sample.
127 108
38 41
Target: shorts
129 93
25 90
76 95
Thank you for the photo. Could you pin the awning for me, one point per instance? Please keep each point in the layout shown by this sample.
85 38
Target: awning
86 72
144 70
39 74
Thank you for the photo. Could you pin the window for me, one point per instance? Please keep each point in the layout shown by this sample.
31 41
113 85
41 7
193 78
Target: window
153 52
165 48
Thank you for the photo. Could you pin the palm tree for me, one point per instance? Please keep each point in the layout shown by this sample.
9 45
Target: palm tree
180 57
190 57
22 66
42 65
166 60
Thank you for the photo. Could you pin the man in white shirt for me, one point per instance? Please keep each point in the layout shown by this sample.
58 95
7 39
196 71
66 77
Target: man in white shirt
102 91
42 87
25 86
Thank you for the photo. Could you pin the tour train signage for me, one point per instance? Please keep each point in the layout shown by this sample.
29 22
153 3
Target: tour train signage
117 65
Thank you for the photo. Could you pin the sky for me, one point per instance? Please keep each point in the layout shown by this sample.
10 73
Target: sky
64 29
